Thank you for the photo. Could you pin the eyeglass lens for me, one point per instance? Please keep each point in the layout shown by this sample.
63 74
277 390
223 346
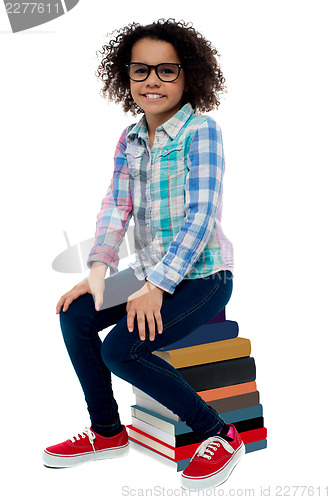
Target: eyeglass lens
167 72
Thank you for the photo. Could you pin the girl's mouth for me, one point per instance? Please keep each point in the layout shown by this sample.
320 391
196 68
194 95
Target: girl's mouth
153 97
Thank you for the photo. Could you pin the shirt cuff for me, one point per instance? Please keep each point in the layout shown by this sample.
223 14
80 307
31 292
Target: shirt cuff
165 277
112 270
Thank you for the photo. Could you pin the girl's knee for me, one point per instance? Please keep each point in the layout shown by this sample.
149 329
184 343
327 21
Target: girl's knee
79 307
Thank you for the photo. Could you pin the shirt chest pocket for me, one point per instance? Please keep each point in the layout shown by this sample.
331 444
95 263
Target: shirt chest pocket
171 161
172 171
134 161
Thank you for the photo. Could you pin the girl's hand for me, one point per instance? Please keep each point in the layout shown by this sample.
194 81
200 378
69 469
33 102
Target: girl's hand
80 289
147 303
94 284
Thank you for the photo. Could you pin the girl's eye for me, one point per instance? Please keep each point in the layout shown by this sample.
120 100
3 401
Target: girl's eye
140 71
167 70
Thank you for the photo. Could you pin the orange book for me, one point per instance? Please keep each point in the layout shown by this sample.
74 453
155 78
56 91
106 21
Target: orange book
228 391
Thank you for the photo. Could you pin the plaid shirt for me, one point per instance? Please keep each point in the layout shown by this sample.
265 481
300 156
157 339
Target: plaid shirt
174 193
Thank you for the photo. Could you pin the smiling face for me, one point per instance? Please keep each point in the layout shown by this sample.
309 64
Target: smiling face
159 100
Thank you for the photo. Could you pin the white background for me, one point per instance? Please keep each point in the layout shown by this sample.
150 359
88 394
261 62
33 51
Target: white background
57 142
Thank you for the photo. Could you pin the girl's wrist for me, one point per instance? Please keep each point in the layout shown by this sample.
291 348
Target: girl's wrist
151 286
98 268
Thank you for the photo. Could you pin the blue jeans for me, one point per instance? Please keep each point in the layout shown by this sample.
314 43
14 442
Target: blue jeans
193 303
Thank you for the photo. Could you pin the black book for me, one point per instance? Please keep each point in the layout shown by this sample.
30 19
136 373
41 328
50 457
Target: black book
220 373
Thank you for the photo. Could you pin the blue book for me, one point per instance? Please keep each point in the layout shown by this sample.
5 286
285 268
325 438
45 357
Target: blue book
175 427
210 332
255 445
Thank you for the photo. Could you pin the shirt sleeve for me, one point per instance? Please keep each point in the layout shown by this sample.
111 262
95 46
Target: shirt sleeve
202 192
115 213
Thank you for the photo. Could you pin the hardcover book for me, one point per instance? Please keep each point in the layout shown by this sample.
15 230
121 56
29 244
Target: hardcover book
177 427
183 439
220 373
186 451
235 402
206 353
180 465
228 391
210 332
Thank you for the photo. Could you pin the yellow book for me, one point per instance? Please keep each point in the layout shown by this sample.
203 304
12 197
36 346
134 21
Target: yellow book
207 353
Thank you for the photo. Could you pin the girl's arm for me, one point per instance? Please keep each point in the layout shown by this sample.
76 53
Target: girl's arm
114 215
203 191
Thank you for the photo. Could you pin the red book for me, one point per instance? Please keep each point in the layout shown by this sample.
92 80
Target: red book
184 452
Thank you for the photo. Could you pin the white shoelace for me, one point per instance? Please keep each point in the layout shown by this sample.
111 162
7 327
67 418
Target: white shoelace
210 445
86 432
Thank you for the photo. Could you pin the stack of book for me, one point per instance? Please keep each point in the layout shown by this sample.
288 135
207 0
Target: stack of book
216 362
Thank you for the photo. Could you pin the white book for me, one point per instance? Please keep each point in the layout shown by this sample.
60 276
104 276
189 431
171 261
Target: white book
153 405
144 400
163 423
153 431
169 452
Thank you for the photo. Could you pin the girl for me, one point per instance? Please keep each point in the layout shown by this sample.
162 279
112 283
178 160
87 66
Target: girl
168 177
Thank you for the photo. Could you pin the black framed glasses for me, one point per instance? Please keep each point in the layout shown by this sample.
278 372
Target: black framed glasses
166 72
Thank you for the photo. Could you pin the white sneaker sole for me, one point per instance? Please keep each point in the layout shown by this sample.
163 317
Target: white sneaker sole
60 461
216 479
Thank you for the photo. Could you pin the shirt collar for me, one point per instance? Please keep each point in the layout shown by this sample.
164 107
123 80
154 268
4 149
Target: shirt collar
171 127
175 124
139 129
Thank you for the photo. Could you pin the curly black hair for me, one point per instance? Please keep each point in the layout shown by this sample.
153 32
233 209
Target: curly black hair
204 78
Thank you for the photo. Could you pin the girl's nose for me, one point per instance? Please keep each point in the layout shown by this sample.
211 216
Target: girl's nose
152 79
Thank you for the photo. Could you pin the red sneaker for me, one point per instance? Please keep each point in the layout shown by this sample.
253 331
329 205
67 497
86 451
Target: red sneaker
213 462
86 446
